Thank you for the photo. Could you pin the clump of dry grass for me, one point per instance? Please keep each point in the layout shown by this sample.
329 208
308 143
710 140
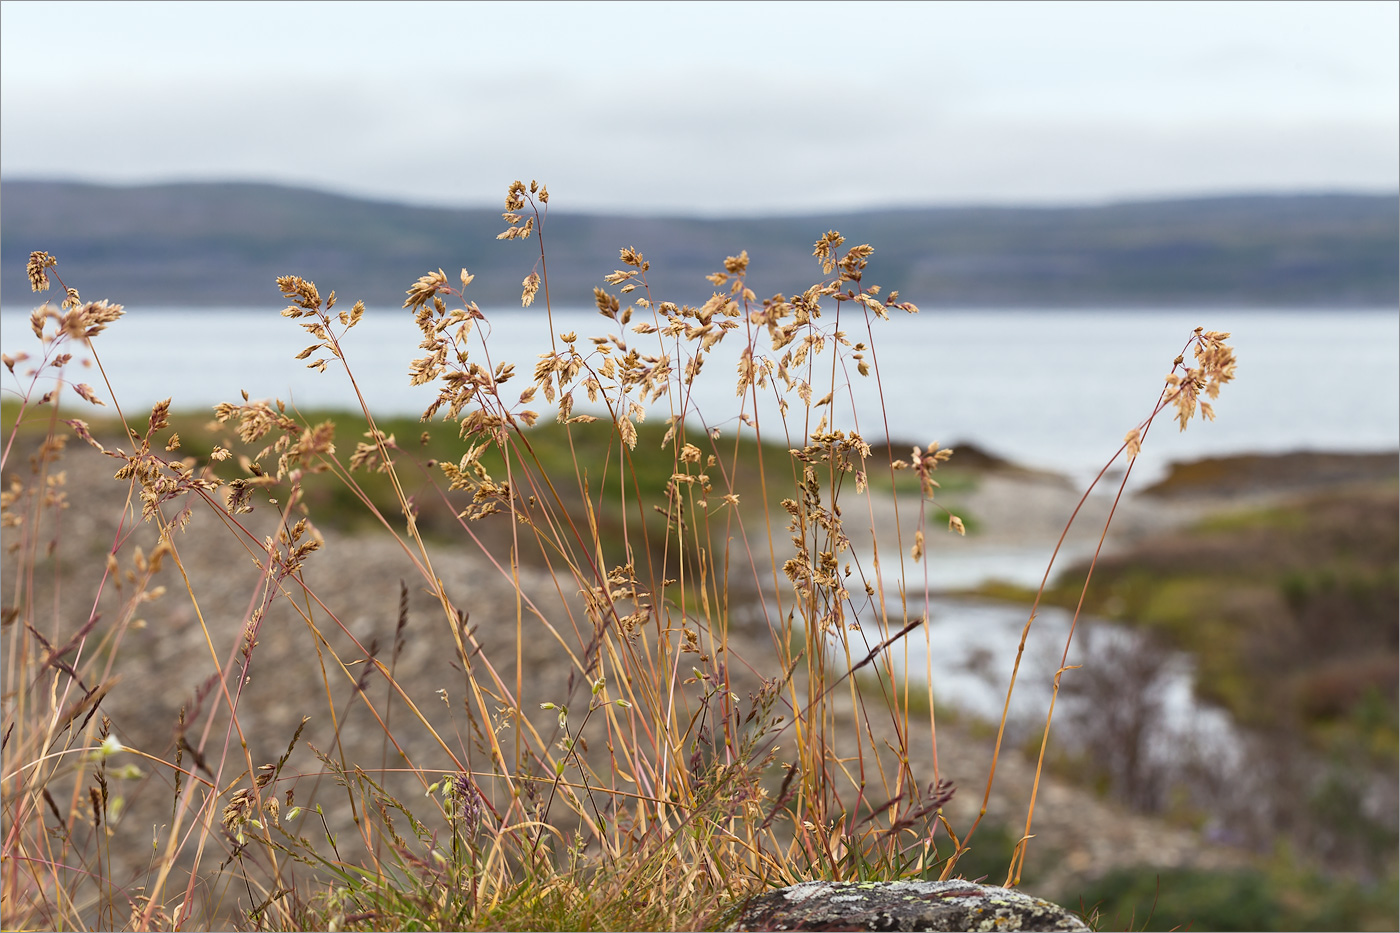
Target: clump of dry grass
663 776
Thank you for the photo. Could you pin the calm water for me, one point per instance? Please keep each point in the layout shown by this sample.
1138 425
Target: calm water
1055 389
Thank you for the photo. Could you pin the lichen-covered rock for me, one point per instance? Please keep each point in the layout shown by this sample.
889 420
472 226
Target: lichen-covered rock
902 905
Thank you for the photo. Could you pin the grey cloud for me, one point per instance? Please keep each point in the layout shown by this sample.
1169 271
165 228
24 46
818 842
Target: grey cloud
688 140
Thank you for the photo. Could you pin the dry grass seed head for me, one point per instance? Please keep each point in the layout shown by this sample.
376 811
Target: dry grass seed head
301 293
37 269
529 287
824 250
425 289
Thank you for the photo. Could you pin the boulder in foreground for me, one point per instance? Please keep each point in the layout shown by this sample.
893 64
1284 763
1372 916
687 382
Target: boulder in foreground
902 905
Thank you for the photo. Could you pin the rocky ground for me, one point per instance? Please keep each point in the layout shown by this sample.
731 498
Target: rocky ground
174 645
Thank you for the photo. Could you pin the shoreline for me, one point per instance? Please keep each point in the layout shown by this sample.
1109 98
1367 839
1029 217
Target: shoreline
1014 513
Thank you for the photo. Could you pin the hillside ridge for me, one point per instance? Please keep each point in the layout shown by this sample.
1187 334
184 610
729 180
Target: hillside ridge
223 244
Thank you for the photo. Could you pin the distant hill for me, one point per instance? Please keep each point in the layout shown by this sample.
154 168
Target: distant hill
224 244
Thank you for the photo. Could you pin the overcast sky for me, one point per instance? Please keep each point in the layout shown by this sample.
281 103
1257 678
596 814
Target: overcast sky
710 108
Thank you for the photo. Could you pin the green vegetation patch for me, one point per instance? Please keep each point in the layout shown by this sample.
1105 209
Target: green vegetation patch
1290 611
624 491
1144 898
